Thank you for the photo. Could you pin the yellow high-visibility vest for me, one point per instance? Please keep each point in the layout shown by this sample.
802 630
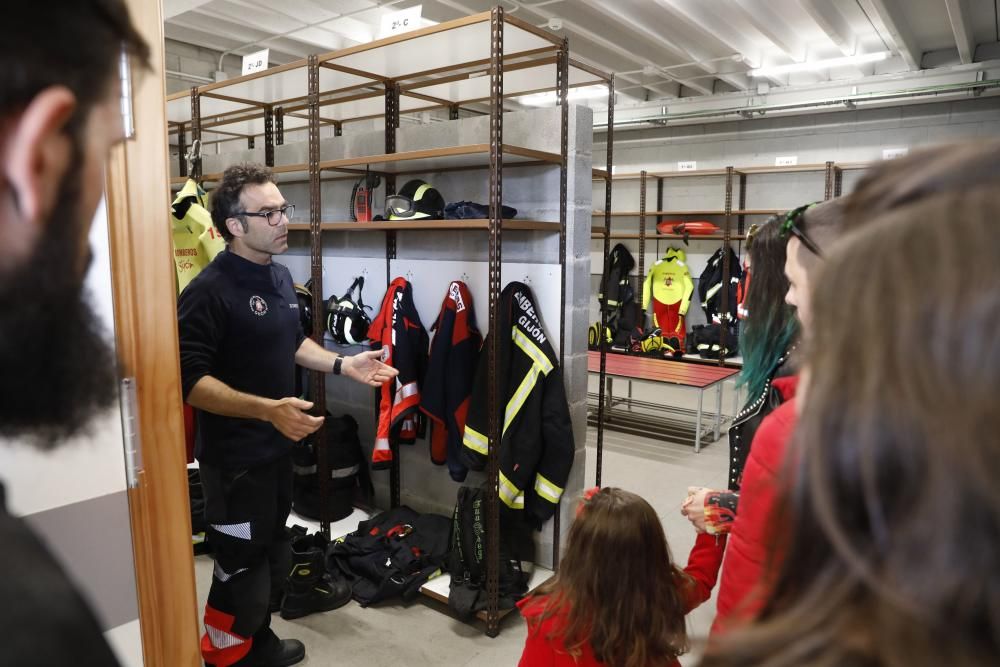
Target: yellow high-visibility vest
196 240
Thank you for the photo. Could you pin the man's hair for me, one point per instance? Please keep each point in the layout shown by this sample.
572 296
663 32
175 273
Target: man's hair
73 43
226 198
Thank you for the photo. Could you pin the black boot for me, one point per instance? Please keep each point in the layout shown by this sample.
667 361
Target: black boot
309 589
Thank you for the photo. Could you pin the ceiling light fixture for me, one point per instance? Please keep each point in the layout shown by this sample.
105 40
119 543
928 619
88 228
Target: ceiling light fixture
820 64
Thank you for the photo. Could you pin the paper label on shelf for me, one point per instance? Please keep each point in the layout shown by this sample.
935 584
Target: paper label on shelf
255 62
687 166
786 160
893 153
399 22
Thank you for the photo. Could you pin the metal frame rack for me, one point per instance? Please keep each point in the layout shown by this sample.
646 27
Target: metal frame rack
490 56
734 177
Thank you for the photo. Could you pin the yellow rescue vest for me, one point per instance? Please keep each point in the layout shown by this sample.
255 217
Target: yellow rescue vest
196 240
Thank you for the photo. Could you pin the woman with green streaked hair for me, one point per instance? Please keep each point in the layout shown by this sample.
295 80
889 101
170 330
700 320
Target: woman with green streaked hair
769 332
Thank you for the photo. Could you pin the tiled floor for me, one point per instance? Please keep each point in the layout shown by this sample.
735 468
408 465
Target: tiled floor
418 634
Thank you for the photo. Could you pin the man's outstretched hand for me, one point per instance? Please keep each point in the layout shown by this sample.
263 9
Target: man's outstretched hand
289 417
366 368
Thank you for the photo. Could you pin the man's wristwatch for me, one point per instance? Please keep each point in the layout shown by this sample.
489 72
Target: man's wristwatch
337 363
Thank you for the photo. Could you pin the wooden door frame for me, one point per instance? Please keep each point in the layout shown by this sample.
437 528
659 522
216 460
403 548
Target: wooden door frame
144 289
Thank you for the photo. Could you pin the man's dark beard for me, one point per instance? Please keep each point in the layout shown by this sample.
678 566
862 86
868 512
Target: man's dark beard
57 370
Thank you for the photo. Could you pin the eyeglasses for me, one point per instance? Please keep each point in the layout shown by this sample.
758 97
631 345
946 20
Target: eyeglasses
792 226
274 216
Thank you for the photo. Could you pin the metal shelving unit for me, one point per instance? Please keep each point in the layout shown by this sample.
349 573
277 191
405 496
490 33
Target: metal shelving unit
735 183
491 56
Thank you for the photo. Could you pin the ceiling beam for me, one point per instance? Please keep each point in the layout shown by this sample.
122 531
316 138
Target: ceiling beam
891 24
764 20
833 23
621 15
172 8
663 89
961 26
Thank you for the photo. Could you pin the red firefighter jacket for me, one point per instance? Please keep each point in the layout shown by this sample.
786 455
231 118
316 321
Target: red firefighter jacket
450 373
536 442
403 339
745 577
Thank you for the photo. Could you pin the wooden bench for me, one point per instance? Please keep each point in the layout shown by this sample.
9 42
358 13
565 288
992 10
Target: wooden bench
664 371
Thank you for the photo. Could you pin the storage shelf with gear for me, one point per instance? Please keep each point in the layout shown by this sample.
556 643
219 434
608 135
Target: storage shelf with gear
477 89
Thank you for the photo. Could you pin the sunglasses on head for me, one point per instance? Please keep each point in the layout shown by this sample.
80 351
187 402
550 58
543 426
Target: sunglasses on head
792 226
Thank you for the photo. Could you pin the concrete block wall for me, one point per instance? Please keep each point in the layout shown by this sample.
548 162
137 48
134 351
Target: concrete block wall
197 63
531 257
844 136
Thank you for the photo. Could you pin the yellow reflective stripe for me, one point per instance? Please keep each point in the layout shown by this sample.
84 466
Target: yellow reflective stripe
510 494
519 397
420 191
546 489
532 350
475 441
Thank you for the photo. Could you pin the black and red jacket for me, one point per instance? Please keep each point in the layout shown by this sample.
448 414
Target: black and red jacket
403 340
451 371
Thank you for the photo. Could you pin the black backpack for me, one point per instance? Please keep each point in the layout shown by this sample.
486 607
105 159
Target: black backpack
467 558
350 480
346 319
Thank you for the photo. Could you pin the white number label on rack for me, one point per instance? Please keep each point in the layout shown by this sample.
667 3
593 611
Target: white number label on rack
786 160
893 153
255 62
687 166
401 21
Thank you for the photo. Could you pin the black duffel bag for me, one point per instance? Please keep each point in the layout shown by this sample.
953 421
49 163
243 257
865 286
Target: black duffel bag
350 481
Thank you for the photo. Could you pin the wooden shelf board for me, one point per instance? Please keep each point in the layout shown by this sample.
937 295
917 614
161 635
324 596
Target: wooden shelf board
760 169
471 155
654 236
635 214
438 587
427 225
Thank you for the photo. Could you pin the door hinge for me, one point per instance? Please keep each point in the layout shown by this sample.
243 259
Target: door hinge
130 432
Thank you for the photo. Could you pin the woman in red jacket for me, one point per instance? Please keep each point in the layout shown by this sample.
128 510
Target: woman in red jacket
618 599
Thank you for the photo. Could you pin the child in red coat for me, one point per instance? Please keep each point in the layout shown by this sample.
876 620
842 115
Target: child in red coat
618 599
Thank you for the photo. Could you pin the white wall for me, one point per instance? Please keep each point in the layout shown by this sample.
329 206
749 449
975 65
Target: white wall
84 478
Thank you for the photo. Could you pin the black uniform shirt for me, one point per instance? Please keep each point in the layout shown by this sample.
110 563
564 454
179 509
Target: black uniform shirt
238 322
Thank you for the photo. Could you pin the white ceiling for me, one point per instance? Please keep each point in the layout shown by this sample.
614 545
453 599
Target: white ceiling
658 49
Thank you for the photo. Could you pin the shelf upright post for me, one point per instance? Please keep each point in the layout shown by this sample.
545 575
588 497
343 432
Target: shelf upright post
493 390
269 135
838 181
742 218
391 123
609 142
659 219
562 92
726 268
279 126
182 150
642 227
828 181
316 265
196 132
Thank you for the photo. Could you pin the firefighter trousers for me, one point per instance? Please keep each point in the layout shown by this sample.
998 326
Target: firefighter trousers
246 510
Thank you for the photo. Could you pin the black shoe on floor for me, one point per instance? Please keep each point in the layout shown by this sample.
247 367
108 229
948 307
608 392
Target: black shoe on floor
310 589
286 652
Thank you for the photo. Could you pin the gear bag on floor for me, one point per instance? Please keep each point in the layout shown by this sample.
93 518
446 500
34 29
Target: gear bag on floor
467 559
350 480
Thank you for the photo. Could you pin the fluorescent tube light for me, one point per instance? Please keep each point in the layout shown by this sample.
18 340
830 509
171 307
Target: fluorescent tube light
820 64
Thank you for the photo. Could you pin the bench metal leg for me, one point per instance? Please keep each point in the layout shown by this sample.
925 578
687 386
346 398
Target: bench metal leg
697 424
718 409
630 396
736 398
607 397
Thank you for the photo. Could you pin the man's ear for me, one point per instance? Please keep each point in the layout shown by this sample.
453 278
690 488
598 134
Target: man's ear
236 227
37 153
